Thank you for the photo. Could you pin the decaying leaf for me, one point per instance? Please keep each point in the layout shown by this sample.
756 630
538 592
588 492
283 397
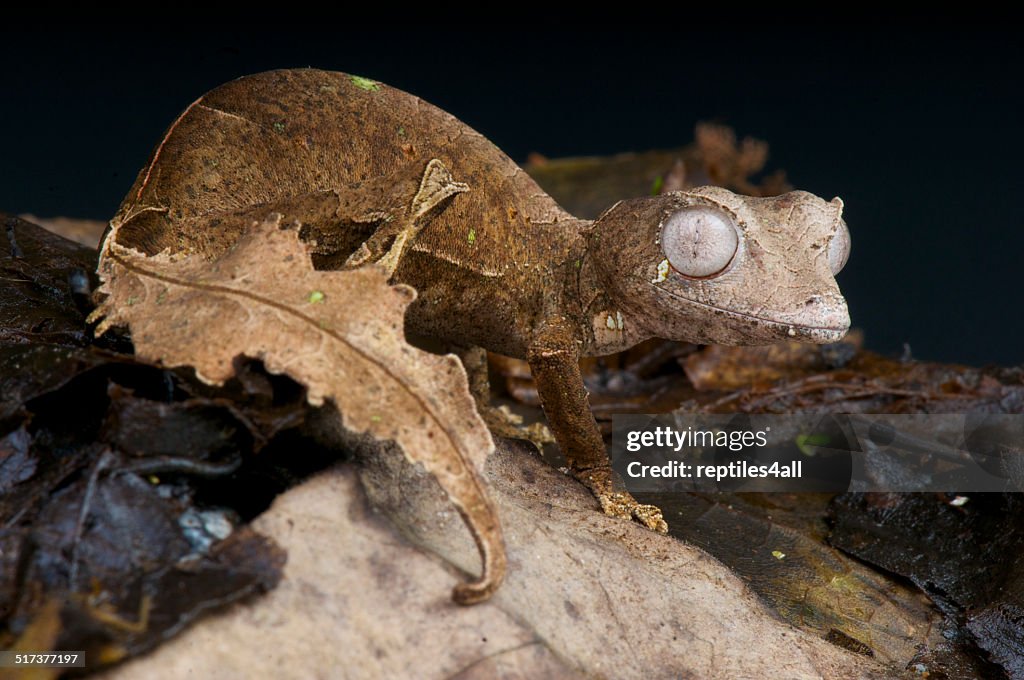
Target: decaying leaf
339 333
808 583
84 232
972 568
732 163
587 185
109 543
590 597
41 275
724 368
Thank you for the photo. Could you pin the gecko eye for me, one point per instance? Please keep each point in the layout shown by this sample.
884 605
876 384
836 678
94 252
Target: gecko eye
699 241
839 248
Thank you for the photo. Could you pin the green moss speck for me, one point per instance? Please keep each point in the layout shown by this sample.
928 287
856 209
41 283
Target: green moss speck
279 127
805 442
375 419
161 297
472 236
659 182
365 83
316 296
401 131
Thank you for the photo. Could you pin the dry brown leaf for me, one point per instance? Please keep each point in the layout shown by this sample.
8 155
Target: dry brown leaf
718 367
732 163
339 333
591 596
86 232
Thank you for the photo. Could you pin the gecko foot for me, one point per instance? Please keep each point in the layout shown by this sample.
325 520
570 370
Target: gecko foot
620 503
503 423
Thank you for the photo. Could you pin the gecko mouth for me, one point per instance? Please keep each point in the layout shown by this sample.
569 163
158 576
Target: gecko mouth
782 329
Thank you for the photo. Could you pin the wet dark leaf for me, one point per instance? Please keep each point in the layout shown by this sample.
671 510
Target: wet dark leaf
136 561
241 565
966 557
774 542
41 275
957 554
194 429
999 630
30 370
45 282
16 464
588 185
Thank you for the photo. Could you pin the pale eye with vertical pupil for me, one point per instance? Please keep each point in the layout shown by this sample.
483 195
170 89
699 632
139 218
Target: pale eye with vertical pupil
699 242
839 248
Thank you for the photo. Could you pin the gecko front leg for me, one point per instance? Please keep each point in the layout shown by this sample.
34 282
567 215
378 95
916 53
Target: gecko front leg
554 360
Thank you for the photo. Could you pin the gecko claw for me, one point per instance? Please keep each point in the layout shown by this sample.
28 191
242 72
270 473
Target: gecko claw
621 504
650 516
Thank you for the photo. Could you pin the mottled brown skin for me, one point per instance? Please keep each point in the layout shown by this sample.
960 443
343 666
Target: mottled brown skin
497 263
267 139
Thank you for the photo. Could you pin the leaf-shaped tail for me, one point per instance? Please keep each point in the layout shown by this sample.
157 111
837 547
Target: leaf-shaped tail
481 517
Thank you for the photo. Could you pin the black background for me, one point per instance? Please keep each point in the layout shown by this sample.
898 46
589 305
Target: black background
917 126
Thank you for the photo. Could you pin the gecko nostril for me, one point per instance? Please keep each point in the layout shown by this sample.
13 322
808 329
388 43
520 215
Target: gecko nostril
813 300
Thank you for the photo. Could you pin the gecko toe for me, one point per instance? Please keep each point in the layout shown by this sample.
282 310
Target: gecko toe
620 503
650 516
624 506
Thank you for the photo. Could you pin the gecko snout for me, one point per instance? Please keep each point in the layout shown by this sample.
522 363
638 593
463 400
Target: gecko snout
822 319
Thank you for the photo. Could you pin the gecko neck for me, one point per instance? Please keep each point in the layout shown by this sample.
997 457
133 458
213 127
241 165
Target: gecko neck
606 326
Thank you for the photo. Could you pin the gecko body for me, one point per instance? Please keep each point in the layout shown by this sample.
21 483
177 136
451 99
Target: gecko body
374 174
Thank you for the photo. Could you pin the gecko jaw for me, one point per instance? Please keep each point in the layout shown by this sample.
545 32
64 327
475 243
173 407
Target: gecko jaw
819 335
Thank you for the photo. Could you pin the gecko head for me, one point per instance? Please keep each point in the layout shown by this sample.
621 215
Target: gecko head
711 266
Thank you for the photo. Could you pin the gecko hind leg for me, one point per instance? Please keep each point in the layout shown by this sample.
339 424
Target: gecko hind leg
388 244
499 419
